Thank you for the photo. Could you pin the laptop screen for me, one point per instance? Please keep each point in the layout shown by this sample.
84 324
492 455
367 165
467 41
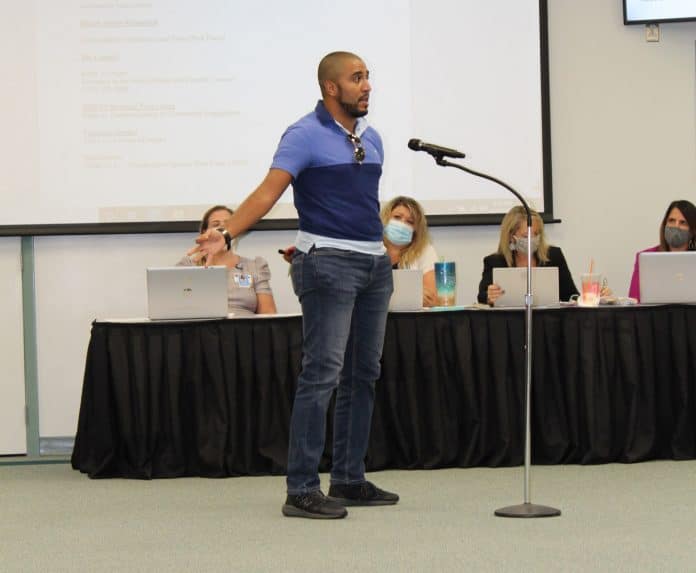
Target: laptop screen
513 280
186 292
408 290
667 277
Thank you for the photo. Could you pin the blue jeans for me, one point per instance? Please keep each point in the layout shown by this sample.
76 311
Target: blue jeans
344 297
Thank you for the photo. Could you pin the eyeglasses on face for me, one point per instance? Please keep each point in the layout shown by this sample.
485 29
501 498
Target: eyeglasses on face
358 150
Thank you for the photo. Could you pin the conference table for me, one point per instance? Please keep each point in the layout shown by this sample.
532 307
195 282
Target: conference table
213 397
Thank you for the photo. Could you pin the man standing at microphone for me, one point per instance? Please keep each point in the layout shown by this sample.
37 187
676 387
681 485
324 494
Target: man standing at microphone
342 277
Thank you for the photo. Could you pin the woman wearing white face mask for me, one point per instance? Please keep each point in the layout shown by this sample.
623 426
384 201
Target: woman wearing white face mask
407 241
677 233
512 252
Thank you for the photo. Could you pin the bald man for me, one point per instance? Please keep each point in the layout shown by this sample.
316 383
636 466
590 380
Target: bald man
342 277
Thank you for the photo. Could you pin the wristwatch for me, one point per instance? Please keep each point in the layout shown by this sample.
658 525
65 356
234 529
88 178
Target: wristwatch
228 238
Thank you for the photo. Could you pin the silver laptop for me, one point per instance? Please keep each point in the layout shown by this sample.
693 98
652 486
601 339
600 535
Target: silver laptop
186 292
408 290
513 280
667 277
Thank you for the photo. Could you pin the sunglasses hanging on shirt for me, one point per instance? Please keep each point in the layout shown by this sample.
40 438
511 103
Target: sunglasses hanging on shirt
358 150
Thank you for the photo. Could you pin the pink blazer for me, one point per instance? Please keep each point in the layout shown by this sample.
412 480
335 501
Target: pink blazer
634 289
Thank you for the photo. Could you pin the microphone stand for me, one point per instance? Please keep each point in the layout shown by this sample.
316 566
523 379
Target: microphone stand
526 509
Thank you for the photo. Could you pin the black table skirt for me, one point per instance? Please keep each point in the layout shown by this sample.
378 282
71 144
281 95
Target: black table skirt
213 398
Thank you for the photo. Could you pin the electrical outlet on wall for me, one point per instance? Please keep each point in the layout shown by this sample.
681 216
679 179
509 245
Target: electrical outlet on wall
652 32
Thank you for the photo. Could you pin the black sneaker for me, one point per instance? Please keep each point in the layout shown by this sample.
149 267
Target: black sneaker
314 505
364 493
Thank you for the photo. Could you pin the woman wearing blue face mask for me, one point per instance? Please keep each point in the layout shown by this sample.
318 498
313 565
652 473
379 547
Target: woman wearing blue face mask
512 252
407 241
677 233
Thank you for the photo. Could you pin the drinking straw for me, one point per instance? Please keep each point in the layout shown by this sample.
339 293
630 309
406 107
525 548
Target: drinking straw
591 264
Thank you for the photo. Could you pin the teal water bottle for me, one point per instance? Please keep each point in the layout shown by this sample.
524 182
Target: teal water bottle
446 283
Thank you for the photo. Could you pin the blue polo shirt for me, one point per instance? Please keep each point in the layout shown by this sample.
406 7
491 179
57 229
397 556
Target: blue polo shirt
335 196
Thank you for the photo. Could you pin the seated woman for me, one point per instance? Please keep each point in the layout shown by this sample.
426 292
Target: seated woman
408 243
248 280
512 252
677 233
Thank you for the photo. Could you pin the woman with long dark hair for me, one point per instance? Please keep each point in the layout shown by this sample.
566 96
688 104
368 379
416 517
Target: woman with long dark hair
677 233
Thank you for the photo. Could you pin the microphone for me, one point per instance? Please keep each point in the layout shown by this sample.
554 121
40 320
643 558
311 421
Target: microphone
434 150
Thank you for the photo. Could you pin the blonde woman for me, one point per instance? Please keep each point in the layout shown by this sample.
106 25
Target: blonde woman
512 252
407 241
248 280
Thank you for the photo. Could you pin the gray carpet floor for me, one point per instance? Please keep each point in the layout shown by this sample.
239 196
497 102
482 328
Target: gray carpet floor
638 517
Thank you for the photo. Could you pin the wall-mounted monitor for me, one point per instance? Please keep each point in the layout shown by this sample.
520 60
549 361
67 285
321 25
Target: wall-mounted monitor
656 11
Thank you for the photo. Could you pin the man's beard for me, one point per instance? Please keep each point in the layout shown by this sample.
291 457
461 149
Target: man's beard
353 110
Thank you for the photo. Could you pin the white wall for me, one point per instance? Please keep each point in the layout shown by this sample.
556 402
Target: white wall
12 429
623 132
624 144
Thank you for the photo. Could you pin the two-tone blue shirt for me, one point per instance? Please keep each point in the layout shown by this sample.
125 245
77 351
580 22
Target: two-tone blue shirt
336 196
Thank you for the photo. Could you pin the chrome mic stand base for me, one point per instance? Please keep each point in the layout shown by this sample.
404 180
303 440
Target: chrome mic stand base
527 510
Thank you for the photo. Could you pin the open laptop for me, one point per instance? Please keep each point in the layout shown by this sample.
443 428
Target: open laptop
408 290
667 277
186 292
513 280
